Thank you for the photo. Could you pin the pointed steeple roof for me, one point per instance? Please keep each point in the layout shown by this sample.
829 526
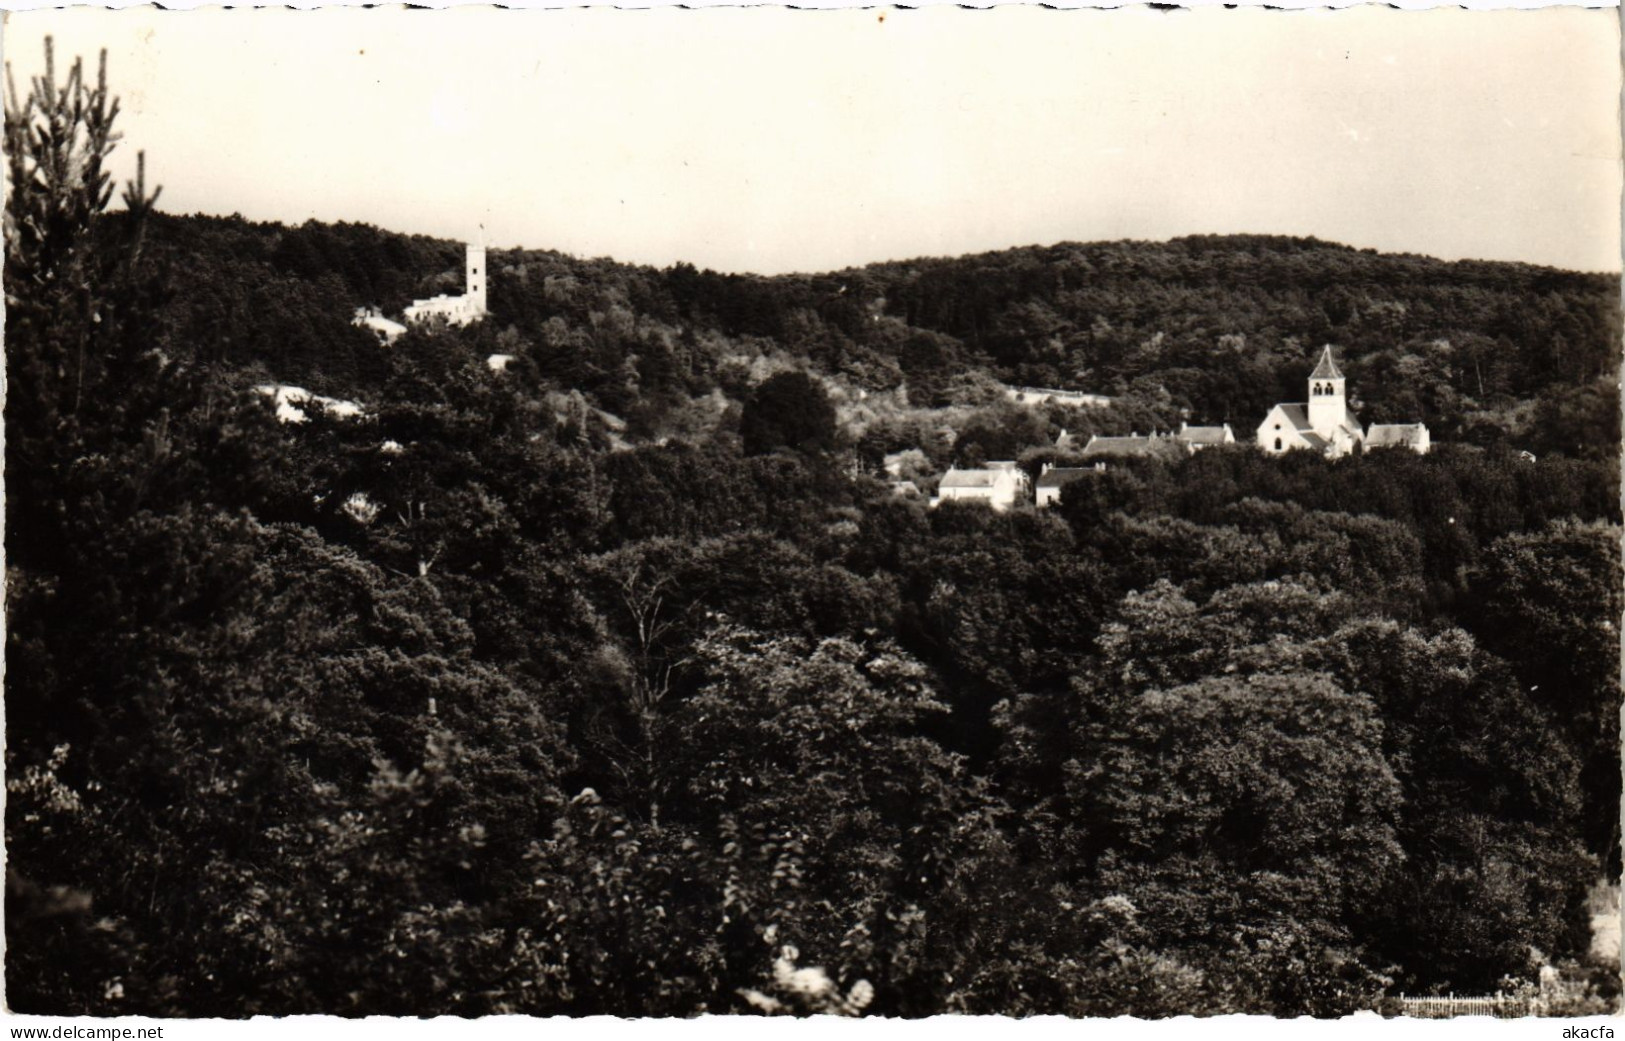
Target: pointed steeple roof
1327 369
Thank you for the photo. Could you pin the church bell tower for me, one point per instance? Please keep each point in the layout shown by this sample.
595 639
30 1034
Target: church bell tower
474 276
1328 404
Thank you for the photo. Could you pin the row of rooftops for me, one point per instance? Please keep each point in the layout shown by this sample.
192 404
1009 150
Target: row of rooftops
1187 437
1004 473
1001 483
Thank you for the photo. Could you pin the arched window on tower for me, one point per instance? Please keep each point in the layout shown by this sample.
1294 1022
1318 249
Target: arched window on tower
1277 444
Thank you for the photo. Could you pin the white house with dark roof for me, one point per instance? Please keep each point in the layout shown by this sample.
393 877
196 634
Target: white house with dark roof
1196 438
1054 478
997 484
1323 423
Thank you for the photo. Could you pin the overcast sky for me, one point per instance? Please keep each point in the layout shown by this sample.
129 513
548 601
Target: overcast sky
772 140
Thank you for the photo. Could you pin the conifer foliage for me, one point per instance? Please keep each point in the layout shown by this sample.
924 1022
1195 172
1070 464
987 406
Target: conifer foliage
79 311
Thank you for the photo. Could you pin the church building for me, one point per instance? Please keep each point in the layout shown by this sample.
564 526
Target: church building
456 310
1325 424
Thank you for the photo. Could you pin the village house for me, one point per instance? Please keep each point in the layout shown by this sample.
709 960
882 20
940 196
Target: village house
998 484
1197 438
1054 478
1325 424
1399 435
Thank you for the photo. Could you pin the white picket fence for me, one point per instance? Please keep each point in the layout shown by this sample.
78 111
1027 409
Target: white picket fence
1445 1006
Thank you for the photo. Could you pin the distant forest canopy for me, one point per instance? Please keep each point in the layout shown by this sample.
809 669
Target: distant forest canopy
618 682
1215 328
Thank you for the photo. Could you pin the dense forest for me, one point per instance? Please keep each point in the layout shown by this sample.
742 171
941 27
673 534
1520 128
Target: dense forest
1211 328
617 680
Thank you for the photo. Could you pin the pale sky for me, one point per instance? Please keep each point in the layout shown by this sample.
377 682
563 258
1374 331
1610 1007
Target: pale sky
762 139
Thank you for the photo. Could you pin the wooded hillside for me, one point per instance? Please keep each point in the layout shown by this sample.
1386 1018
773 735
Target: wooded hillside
1484 353
611 683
